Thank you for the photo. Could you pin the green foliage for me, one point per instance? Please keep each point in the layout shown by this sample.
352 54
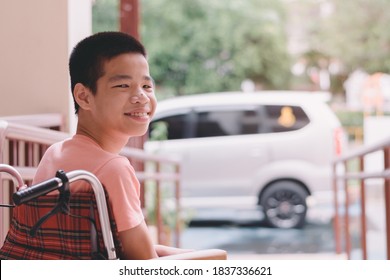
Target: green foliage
105 15
357 33
350 118
199 46
168 209
159 131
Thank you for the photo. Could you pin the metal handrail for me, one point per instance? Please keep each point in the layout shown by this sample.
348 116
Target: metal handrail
13 173
159 177
361 175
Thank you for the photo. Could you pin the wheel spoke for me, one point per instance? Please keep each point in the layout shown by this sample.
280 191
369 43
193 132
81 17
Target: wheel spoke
285 207
299 209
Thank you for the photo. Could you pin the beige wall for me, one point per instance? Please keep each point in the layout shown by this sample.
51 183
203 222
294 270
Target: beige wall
36 39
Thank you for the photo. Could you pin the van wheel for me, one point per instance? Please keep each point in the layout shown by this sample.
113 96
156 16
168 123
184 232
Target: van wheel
284 204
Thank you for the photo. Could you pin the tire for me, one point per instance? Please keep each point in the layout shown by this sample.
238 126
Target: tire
284 205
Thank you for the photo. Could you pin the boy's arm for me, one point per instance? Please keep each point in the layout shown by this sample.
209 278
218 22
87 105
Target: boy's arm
137 244
163 251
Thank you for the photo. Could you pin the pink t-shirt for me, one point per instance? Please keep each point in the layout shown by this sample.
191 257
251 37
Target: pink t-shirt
113 171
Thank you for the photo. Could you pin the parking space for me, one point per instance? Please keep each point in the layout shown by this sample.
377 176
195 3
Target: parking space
257 239
316 240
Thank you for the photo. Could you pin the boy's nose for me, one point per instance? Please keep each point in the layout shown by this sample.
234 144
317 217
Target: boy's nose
140 97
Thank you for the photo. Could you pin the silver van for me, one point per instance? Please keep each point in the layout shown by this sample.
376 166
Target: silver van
264 152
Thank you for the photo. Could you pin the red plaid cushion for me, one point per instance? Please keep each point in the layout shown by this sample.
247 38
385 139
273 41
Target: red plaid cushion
61 236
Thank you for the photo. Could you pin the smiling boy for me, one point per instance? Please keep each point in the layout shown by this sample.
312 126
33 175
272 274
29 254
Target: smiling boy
114 100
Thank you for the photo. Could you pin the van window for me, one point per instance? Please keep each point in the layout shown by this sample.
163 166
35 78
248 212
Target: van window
226 123
176 126
285 118
240 121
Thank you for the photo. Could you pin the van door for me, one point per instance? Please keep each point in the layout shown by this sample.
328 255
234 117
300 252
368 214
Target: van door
220 149
225 151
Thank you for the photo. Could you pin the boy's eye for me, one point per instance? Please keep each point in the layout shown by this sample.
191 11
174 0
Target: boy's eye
121 86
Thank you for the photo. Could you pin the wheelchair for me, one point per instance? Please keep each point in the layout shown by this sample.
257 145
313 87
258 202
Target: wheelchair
50 222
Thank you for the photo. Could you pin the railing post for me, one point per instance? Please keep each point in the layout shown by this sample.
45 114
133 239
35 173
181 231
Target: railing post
363 211
178 210
362 175
336 221
346 218
159 224
386 156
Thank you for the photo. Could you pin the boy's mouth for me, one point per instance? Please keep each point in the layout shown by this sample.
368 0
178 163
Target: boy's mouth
137 114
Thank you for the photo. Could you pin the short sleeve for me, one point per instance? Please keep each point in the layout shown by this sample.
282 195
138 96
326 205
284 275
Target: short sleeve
123 188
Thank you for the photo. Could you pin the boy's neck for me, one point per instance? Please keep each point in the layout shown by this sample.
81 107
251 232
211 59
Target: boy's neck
109 143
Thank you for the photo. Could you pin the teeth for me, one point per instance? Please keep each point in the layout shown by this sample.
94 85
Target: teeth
138 114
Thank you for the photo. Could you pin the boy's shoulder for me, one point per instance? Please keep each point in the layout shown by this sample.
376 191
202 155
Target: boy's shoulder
81 149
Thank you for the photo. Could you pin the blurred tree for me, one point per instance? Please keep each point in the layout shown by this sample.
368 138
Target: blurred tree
199 46
105 15
357 33
203 46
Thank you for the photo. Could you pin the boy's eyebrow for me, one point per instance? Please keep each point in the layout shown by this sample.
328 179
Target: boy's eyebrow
149 78
121 77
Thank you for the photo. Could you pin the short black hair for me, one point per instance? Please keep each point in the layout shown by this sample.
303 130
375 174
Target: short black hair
87 59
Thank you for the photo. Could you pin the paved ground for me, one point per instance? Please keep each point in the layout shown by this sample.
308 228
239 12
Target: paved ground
255 239
315 240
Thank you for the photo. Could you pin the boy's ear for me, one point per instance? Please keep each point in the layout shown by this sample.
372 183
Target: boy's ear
83 96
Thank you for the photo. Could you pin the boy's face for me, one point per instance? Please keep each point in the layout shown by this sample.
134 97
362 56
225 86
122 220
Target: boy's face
124 102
